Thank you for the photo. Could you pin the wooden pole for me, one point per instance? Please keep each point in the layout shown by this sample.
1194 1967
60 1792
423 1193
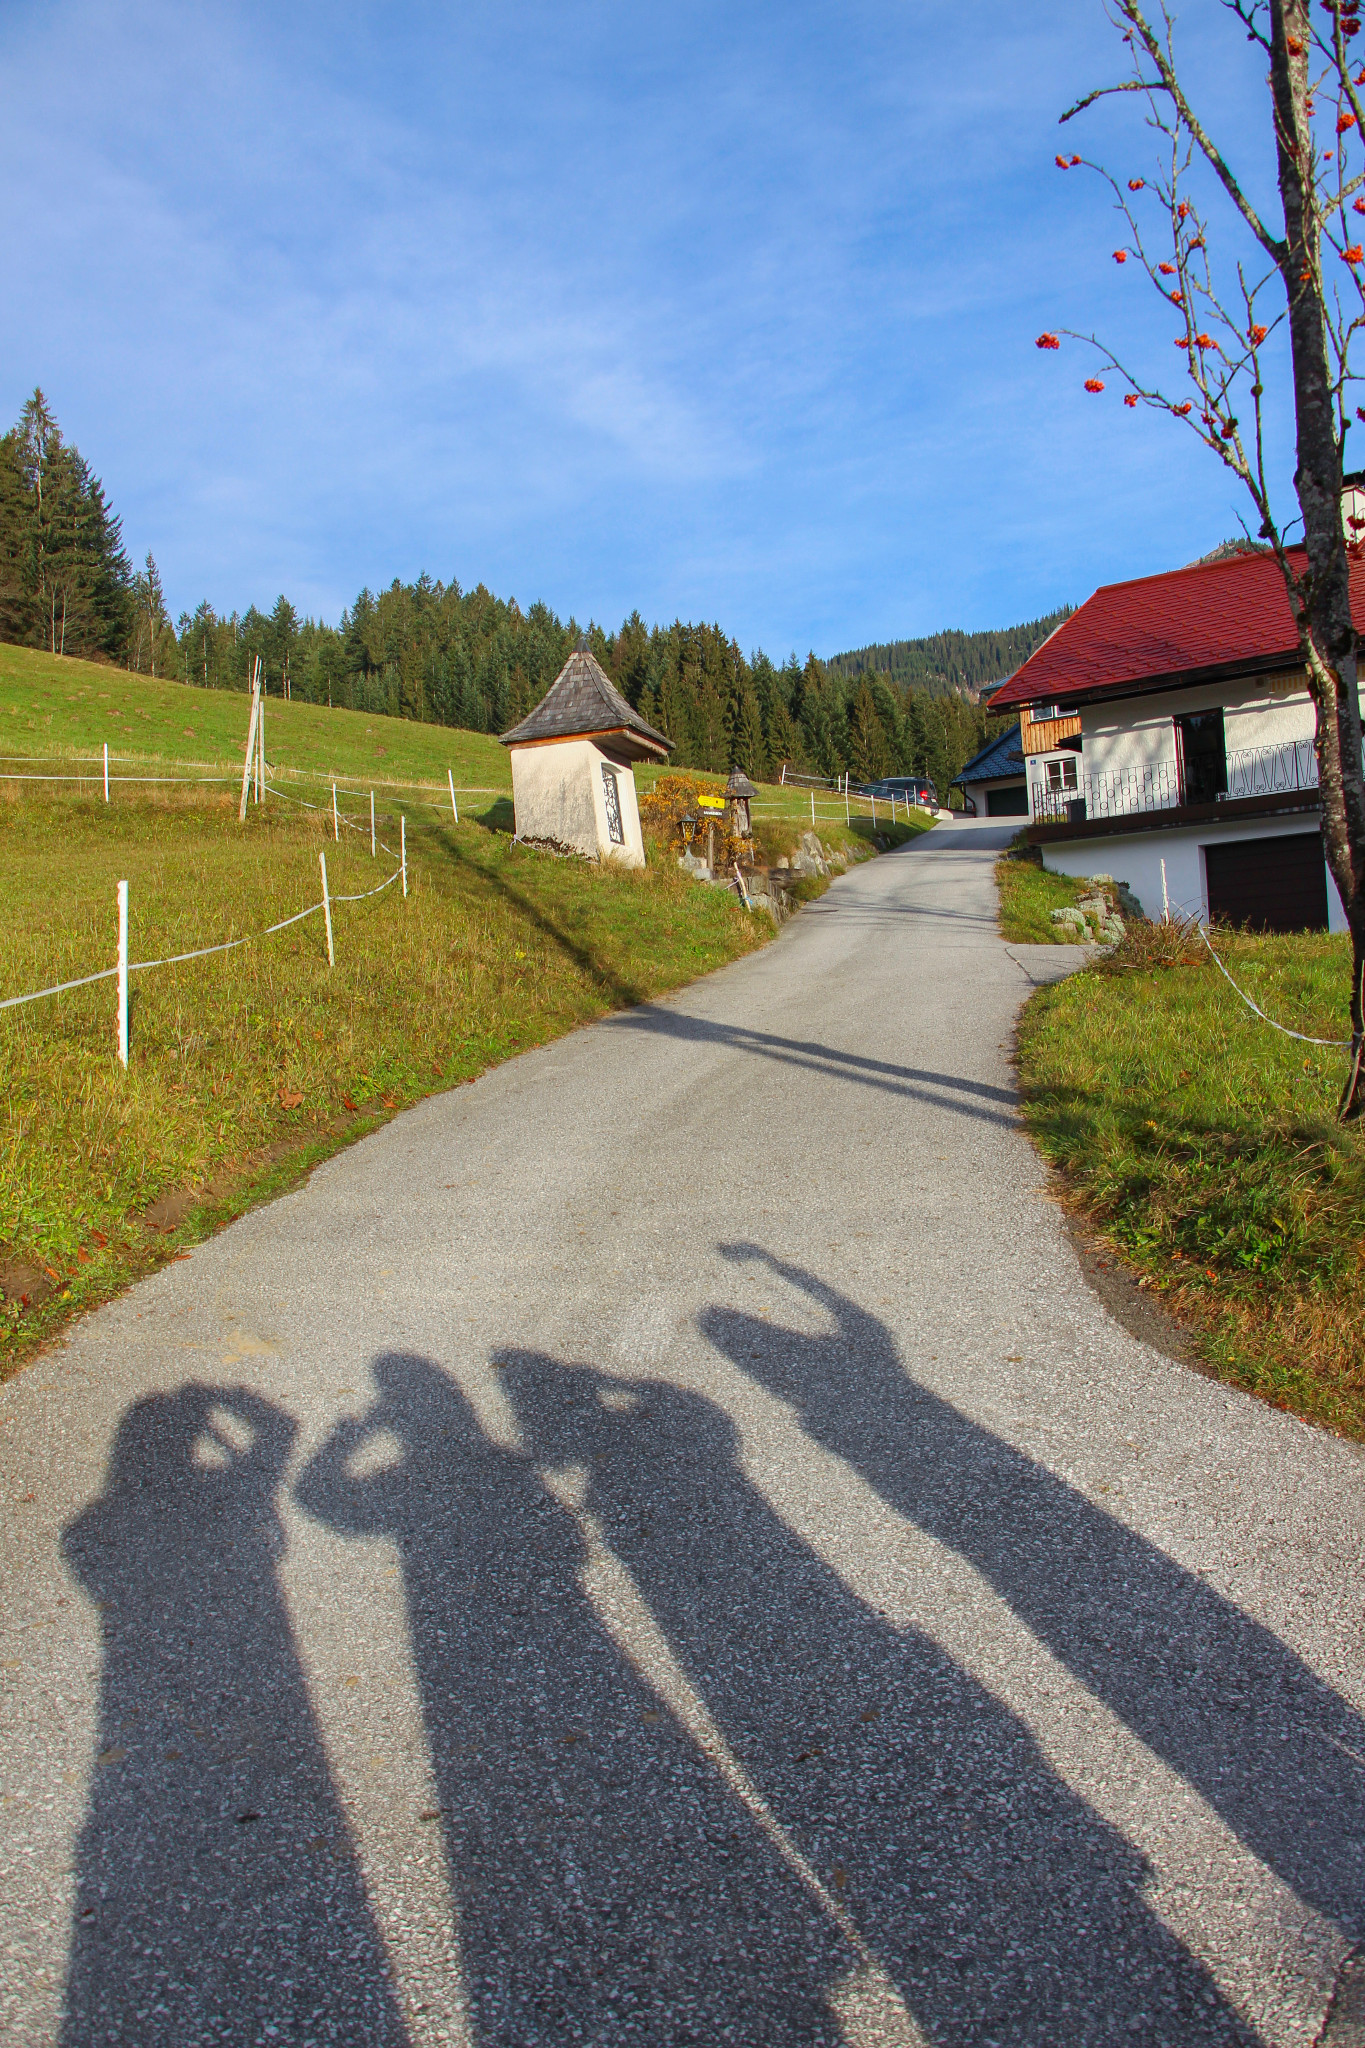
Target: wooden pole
106 771
846 819
336 827
260 747
812 807
403 845
327 909
250 741
453 805
371 824
123 972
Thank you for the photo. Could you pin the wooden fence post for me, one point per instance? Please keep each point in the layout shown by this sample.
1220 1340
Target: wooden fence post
371 824
123 972
327 909
106 771
403 843
453 805
336 828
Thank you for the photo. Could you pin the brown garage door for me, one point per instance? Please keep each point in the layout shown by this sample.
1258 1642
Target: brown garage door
1273 885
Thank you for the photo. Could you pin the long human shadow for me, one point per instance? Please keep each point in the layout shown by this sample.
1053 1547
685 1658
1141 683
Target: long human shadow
608 1887
954 1091
1002 1906
1274 1750
217 1896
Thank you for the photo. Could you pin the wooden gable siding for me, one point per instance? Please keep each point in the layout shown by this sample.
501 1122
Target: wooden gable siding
1043 736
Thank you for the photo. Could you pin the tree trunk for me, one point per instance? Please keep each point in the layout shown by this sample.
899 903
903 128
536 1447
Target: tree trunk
1321 599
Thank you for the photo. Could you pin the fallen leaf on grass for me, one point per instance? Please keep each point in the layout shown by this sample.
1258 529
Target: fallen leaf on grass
290 1098
348 1102
388 1102
99 1238
82 1254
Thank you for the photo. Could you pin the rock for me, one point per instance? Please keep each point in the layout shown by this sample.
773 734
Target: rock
1070 915
1127 901
694 866
782 861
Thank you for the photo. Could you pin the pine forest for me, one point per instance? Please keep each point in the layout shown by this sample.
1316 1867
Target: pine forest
430 650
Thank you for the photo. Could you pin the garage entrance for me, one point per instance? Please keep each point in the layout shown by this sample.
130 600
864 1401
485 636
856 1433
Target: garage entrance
1007 803
1271 885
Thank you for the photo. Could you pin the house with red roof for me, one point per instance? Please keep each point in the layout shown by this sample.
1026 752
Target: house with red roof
1195 780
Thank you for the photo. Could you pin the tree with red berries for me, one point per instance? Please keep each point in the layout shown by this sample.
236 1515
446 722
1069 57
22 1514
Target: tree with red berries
1308 273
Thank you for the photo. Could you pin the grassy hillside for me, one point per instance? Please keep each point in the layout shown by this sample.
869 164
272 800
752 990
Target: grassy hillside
248 1066
1206 1148
53 706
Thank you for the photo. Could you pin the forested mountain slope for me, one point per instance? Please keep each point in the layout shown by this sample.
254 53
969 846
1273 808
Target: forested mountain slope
950 660
431 651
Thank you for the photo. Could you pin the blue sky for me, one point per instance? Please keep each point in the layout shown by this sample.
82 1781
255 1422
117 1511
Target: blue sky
717 311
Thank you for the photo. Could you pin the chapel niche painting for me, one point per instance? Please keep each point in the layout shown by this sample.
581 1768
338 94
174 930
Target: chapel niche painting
573 775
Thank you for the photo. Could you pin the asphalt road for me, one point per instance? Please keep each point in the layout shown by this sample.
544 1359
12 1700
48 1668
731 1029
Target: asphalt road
663 1545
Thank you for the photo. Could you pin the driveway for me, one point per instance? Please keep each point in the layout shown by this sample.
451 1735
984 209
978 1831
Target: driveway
663 1545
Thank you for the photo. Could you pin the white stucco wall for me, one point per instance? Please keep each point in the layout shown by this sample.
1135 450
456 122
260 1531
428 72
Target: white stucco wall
1138 732
1136 859
558 795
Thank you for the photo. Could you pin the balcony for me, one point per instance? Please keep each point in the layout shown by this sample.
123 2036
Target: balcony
1161 786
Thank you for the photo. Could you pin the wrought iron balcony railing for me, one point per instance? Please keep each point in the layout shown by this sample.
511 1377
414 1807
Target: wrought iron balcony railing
1161 786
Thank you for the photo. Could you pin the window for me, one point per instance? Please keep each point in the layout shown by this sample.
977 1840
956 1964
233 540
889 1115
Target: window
1040 714
615 830
1061 774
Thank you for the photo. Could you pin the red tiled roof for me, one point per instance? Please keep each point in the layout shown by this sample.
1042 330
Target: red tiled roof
1220 615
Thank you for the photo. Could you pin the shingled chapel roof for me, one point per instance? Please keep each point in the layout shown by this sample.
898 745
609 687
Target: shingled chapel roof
583 703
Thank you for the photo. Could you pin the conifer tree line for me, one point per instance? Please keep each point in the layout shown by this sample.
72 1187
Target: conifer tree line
432 651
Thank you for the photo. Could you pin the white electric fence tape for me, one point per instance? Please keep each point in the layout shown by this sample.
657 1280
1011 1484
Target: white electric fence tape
200 952
1339 1044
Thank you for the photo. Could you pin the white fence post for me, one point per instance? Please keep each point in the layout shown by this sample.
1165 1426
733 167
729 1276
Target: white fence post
403 845
450 778
327 909
336 828
371 824
1165 899
260 747
874 813
106 771
249 762
123 972
812 807
846 817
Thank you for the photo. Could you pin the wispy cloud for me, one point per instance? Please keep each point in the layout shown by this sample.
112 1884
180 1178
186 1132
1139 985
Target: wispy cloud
722 312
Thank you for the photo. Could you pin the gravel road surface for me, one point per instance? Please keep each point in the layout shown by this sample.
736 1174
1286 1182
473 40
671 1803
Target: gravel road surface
664 1545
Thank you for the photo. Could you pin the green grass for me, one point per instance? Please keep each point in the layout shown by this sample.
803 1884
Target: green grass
496 948
52 706
1205 1147
1028 894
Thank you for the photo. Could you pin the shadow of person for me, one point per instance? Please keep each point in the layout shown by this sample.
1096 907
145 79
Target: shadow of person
216 1896
1265 1741
604 1879
1002 1906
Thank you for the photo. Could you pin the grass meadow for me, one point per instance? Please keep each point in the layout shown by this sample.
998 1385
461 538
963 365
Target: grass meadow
61 709
249 1066
1205 1147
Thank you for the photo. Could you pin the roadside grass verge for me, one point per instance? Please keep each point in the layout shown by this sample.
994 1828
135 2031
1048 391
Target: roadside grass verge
50 704
1204 1147
1028 893
248 1067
